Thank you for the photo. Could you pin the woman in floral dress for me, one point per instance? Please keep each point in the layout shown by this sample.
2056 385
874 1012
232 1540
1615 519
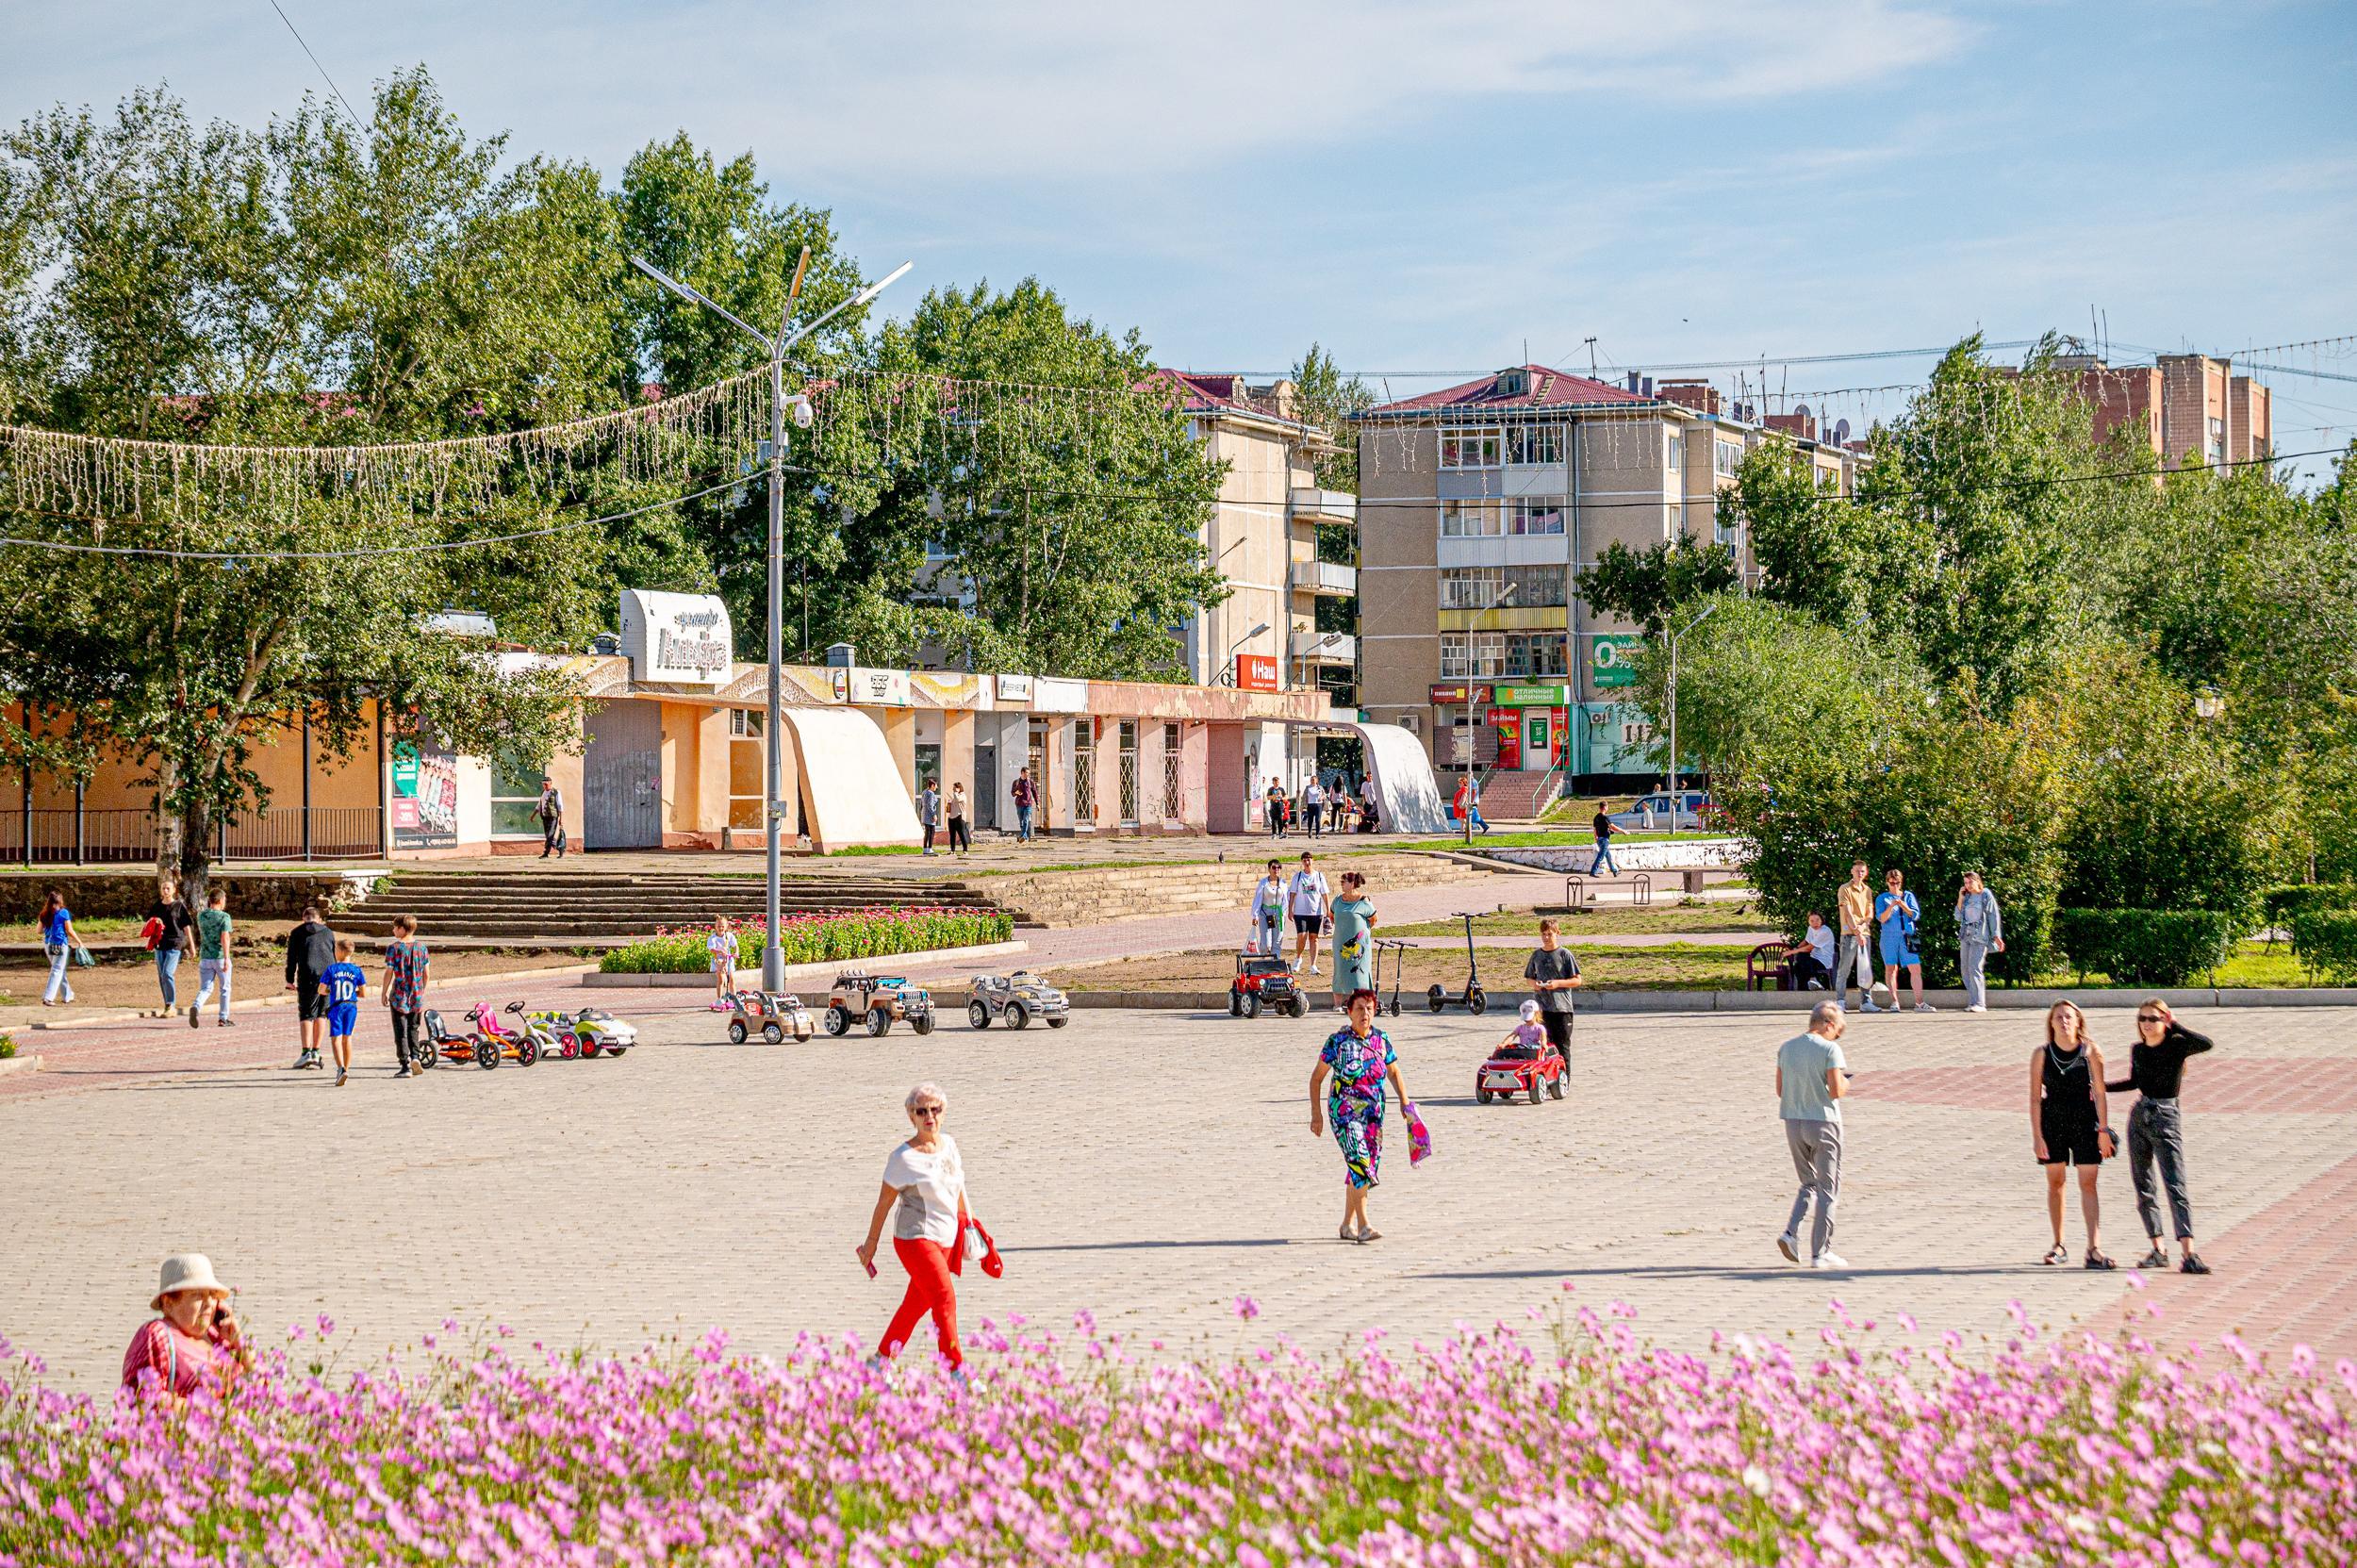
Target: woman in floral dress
1352 1069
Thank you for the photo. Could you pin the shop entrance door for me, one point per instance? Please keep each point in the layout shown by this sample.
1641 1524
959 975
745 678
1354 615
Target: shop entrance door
622 778
1538 751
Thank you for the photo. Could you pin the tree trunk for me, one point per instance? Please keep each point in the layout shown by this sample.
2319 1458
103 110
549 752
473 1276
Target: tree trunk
194 866
168 824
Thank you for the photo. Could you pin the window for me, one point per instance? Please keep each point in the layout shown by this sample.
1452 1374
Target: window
1829 478
1469 449
2217 440
747 767
1472 655
1531 653
1470 519
1471 587
1534 517
1487 587
1673 454
1677 515
515 796
1725 457
1535 443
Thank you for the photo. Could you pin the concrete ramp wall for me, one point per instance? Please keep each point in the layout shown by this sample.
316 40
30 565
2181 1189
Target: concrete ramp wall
850 779
1405 789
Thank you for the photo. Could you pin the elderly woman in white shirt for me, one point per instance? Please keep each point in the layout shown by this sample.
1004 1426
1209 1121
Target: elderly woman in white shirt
924 1189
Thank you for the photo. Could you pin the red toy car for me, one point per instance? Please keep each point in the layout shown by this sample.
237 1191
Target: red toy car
1515 1069
1263 981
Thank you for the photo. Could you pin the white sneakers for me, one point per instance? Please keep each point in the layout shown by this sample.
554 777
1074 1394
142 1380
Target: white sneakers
1869 1006
1976 1007
1789 1245
1830 1260
1926 1007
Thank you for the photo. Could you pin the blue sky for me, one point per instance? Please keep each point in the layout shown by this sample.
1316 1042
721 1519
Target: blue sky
1429 187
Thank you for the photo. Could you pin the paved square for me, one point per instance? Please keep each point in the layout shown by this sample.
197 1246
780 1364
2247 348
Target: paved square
1150 1167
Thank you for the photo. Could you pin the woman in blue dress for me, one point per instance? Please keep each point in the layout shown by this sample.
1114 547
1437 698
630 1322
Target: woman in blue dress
1355 1064
1897 914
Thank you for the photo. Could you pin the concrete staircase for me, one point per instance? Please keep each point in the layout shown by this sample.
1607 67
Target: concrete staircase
540 907
1510 795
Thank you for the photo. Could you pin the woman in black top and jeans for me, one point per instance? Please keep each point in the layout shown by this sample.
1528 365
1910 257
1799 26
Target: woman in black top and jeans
2155 1069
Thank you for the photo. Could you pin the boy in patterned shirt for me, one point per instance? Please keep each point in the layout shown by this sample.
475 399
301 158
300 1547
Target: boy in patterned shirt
405 964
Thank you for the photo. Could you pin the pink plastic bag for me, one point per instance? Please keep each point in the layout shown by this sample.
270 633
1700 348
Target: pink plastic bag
1419 1136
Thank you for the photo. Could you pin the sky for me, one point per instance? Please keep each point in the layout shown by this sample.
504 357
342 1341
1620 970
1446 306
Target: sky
1437 187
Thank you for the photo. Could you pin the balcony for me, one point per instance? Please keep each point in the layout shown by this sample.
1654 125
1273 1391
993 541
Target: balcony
1322 507
1324 648
1324 579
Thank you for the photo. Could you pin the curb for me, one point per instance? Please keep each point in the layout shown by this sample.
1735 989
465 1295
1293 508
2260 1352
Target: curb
133 1015
822 971
1777 1002
20 1065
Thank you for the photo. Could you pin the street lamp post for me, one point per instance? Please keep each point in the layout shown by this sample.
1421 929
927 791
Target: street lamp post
773 812
1674 707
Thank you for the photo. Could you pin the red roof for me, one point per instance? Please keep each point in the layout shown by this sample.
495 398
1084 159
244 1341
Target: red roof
1200 393
1544 387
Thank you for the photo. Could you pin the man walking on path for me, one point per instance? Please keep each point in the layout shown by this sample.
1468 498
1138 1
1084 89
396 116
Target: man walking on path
1854 902
1980 931
1026 796
1553 975
928 812
1274 808
310 953
1605 830
1313 806
212 956
1811 1081
551 814
1308 895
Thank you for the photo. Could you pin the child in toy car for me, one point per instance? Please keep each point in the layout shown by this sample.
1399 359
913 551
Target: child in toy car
1522 1063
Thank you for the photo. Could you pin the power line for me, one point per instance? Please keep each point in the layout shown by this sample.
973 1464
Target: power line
357 123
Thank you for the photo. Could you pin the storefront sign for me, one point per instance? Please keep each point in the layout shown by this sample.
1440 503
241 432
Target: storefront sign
1620 739
1461 745
1530 697
1054 694
1446 692
676 639
425 794
1610 660
872 688
1256 672
1014 689
1506 719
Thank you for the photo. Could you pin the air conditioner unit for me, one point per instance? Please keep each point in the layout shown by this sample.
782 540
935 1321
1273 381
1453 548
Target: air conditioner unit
1409 722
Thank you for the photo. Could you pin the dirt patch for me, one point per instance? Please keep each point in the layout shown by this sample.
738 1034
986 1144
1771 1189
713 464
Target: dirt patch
1668 920
255 971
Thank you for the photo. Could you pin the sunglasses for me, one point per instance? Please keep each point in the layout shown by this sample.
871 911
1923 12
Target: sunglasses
927 1111
2151 1018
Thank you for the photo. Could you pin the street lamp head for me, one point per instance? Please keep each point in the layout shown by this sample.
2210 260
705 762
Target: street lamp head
2209 702
867 295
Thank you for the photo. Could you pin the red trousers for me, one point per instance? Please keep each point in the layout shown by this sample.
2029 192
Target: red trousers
931 1290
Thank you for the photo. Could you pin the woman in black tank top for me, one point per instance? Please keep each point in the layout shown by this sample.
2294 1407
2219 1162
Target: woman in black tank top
2068 1124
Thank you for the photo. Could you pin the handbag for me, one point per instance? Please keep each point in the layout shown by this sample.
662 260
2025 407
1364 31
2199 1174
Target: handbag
82 959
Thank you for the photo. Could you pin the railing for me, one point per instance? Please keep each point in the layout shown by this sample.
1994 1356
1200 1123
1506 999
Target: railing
1332 506
1326 577
1324 647
62 836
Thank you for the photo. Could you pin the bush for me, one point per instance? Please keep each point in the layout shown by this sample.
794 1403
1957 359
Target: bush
8 1048
2145 947
873 932
2281 904
2326 941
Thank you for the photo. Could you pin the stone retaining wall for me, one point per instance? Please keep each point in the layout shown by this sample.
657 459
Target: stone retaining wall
128 894
1084 897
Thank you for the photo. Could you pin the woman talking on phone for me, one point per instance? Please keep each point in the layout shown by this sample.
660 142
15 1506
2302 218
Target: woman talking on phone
196 1336
924 1181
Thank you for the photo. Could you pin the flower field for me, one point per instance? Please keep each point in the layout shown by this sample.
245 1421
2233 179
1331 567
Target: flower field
876 931
1576 1445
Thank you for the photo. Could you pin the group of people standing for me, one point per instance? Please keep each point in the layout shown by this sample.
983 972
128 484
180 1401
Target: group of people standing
2070 1130
1323 806
930 808
1890 923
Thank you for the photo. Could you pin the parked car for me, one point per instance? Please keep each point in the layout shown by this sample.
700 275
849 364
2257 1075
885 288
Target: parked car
1655 810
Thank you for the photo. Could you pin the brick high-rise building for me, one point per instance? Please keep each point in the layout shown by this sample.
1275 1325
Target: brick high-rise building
2181 406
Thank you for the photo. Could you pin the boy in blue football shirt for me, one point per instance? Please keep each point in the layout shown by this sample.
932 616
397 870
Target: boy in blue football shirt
345 984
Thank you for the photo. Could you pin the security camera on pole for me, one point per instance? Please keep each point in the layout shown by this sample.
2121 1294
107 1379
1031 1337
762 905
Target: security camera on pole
773 959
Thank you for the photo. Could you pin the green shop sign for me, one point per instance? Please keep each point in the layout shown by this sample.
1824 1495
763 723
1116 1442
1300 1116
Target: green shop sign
1610 660
1530 696
405 768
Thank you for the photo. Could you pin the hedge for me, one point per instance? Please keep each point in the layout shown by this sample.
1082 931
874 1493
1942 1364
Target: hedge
2326 941
2281 904
873 932
2145 947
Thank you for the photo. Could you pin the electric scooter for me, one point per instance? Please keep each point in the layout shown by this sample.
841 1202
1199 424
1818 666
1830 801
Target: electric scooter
1474 999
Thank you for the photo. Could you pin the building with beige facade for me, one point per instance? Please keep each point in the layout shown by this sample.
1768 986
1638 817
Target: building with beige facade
1481 507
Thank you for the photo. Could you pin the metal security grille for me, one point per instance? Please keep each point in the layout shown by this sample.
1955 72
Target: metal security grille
1170 774
1085 773
1128 773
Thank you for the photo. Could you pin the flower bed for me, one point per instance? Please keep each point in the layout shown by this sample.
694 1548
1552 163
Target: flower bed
1491 1448
872 933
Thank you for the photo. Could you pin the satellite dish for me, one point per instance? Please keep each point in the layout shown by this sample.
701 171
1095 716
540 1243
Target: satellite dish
1841 433
1801 409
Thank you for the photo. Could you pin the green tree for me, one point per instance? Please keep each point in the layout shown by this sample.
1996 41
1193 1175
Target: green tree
311 284
1328 399
1646 586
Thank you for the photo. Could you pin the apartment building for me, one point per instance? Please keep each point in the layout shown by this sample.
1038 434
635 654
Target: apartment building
2180 406
1269 634
1483 505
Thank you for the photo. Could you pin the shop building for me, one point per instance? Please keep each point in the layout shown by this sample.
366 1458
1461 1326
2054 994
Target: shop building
672 757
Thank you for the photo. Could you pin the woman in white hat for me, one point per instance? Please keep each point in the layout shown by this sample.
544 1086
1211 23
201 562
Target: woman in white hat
196 1335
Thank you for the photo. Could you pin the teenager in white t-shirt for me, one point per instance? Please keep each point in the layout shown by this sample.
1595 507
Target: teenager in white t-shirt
1307 892
924 1190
